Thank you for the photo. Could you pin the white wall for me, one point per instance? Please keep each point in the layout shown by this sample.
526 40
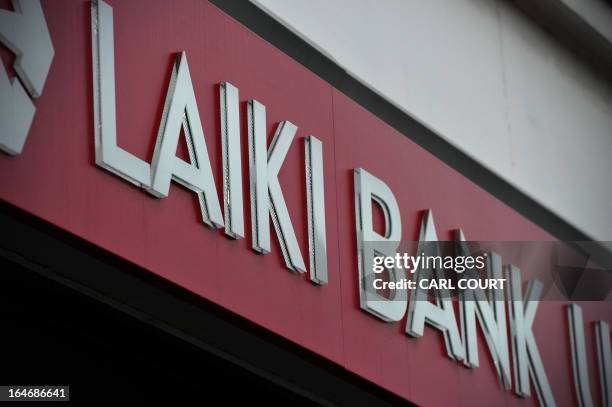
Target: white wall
487 79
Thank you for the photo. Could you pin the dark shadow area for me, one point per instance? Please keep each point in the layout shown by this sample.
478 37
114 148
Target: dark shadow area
54 335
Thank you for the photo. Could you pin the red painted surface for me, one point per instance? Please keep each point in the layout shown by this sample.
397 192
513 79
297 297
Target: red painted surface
56 179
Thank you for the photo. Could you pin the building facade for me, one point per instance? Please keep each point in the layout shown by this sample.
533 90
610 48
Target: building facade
218 170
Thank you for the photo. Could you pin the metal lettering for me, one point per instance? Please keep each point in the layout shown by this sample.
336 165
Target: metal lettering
440 315
579 358
491 316
368 188
266 192
604 359
525 354
232 163
181 111
108 154
315 199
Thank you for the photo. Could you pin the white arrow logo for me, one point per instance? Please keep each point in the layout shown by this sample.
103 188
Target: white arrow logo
25 33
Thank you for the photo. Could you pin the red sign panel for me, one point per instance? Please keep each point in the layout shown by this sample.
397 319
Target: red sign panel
56 178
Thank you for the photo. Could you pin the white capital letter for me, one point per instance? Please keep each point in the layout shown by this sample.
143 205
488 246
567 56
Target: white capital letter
440 315
181 112
491 315
370 244
525 353
266 193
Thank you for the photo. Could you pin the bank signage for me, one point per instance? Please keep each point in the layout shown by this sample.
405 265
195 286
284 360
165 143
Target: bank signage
162 94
